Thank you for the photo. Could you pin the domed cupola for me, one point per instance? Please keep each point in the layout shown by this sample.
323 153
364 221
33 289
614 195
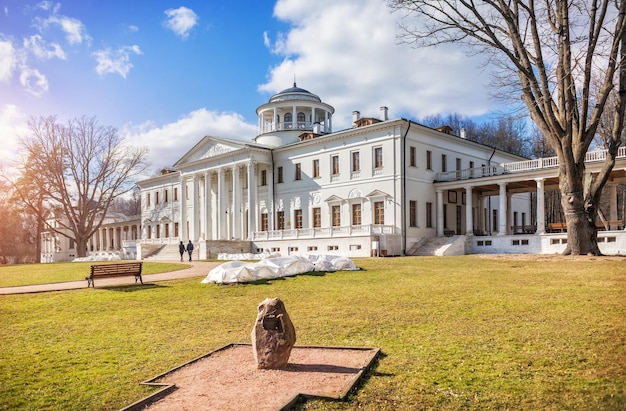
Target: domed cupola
290 114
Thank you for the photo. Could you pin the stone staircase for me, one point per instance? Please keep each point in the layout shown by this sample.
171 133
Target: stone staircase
168 252
439 246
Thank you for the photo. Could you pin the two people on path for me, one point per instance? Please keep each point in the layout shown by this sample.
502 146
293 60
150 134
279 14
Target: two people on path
182 249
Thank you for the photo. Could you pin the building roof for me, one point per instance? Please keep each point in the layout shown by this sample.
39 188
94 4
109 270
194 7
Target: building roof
295 93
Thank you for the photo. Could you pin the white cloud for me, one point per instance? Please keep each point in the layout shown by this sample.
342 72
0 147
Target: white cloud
132 28
34 82
38 46
347 53
8 60
171 141
74 29
181 21
115 61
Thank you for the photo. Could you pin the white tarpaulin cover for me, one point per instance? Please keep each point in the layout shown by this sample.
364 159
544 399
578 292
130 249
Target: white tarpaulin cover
276 267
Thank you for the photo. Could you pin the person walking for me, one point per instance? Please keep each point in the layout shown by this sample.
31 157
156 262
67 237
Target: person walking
190 249
181 250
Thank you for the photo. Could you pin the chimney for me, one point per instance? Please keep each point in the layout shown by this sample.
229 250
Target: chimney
383 113
356 115
462 133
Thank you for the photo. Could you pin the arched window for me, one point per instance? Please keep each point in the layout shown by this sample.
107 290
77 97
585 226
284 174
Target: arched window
288 120
301 120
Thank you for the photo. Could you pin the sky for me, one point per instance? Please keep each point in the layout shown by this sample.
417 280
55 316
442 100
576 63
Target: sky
167 73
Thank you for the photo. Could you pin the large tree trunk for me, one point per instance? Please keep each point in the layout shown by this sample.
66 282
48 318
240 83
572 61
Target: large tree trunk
579 209
81 247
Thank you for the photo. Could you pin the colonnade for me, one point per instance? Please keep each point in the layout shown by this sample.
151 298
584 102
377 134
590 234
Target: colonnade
222 203
505 212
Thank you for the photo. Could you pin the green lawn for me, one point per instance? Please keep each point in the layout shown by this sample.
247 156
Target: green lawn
29 274
455 333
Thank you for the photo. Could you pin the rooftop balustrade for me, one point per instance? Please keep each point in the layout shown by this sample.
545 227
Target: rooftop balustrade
519 166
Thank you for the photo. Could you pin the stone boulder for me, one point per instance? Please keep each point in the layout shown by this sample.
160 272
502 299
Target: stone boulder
273 335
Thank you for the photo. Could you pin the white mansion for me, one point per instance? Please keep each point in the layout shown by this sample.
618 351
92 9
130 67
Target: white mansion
384 187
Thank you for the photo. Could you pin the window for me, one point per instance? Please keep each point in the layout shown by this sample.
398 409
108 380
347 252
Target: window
72 244
458 164
280 220
412 213
378 157
298 175
288 120
186 192
176 230
412 157
334 160
429 215
301 120
494 217
356 161
317 217
167 230
264 222
316 168
336 215
166 196
356 214
156 198
263 177
175 193
297 218
429 159
444 163
148 199
312 248
280 174
379 212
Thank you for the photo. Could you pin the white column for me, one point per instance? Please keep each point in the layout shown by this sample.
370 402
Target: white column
183 209
541 213
207 206
236 204
270 199
221 211
252 209
294 118
502 212
275 122
469 220
440 213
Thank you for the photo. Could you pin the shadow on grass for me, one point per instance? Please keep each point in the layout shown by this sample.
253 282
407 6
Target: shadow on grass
371 372
133 287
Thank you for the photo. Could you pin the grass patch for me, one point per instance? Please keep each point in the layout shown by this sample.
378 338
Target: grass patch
30 274
456 333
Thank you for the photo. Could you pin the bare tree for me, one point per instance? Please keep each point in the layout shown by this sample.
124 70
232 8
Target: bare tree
78 169
549 52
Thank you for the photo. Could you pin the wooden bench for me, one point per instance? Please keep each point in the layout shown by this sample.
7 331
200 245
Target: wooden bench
557 227
114 270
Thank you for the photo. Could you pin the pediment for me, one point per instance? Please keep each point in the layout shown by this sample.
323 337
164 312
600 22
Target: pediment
377 193
209 147
333 198
210 150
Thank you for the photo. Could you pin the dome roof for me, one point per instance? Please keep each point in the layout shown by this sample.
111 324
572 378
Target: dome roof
295 93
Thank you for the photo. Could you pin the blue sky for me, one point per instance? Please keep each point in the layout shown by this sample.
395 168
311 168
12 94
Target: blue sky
166 73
